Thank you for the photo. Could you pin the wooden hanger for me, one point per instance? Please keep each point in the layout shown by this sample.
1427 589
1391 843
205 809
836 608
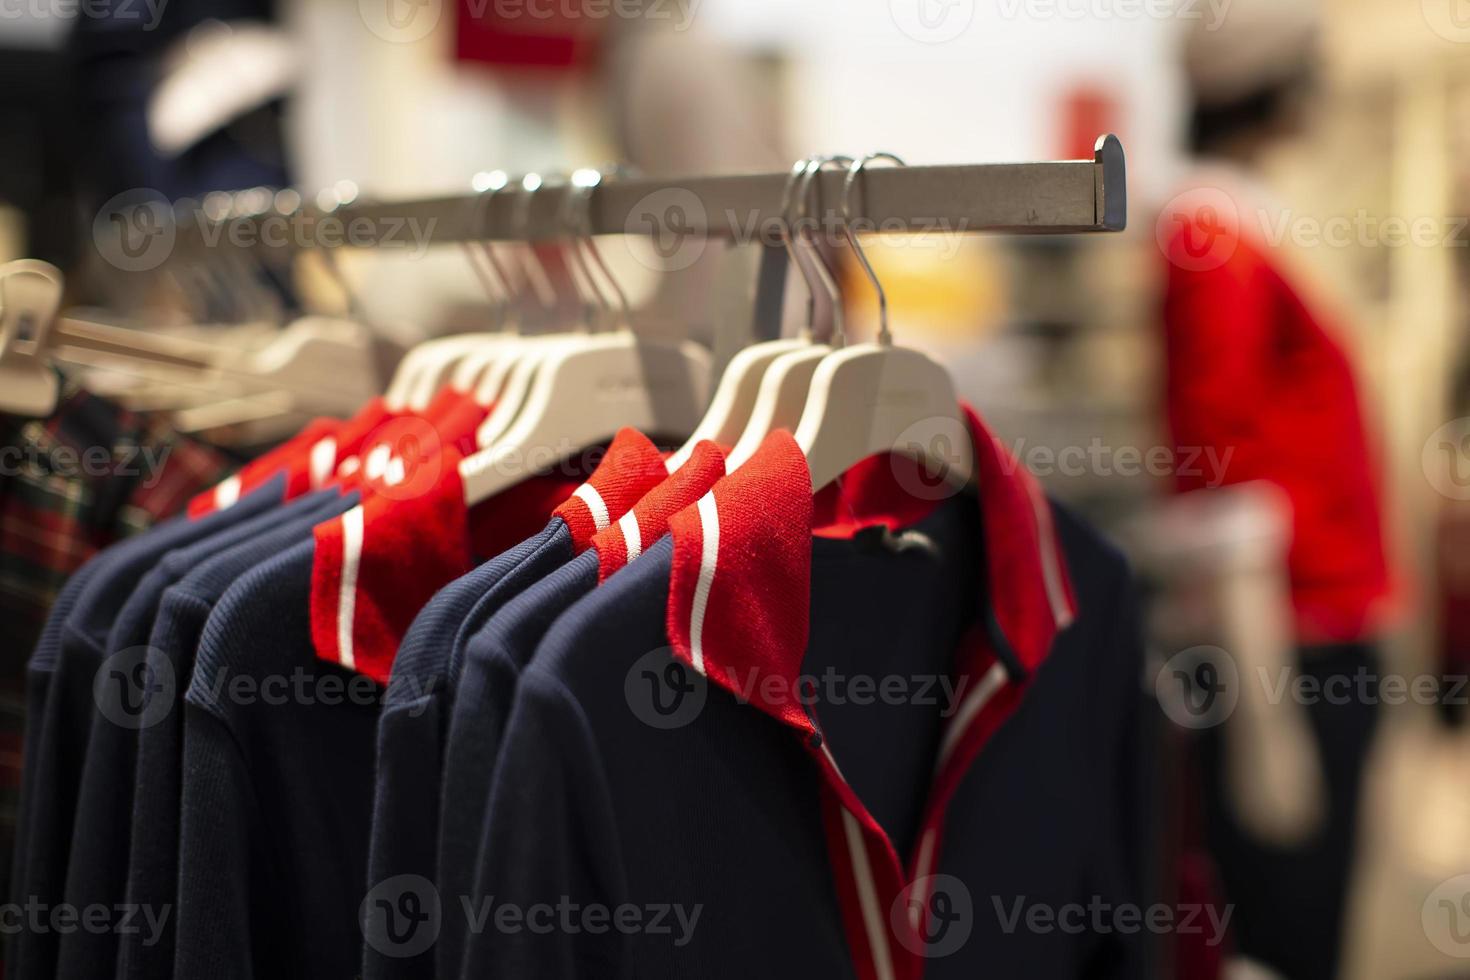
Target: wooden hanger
877 398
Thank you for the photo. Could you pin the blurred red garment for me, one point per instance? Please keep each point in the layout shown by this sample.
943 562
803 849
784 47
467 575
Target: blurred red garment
544 34
1257 389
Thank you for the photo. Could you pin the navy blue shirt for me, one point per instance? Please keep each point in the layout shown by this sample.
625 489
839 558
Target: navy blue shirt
151 847
97 866
66 670
277 789
415 722
710 831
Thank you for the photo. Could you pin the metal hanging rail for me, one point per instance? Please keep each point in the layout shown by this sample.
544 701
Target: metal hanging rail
1058 197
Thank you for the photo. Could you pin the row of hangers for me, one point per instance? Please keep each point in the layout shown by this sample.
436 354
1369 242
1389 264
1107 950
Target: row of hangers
564 392
842 402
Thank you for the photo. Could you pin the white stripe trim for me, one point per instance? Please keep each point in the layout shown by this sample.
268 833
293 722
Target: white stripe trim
923 867
1051 570
862 873
323 458
347 597
227 492
588 494
709 521
995 678
632 534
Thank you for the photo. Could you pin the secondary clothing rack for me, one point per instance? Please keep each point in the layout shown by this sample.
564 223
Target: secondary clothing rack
1054 197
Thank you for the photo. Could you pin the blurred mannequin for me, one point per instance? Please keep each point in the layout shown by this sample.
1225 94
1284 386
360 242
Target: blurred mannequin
1252 372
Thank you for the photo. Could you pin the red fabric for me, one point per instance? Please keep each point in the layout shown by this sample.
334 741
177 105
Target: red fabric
395 449
260 471
1031 592
1252 372
410 545
755 621
651 514
416 534
537 34
632 467
1195 956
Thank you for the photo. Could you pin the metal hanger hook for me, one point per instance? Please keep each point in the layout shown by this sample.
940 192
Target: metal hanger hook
497 286
520 228
884 336
787 201
584 182
825 272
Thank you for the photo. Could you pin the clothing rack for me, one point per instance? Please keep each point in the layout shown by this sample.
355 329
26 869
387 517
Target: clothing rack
1055 197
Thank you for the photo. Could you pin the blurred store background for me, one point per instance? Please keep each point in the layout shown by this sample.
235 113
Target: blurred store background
1060 341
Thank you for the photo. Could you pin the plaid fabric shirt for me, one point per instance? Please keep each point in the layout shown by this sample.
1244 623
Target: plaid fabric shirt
71 484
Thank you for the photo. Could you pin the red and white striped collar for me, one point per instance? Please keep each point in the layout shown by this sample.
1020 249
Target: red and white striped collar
378 564
738 593
624 540
632 467
310 459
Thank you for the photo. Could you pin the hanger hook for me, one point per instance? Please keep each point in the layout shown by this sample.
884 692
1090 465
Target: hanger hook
584 182
520 227
787 202
825 272
584 283
884 336
496 286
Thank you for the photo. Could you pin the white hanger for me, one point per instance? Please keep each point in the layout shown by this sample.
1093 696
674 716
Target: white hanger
322 365
586 389
876 398
782 393
506 383
738 391
30 295
482 372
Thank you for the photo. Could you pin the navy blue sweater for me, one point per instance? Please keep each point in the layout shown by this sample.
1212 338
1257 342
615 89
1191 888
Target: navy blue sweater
97 867
415 723
277 789
63 672
152 845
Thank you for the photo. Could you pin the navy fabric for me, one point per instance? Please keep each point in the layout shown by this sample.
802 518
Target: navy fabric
718 823
494 658
150 844
459 828
415 723
38 683
54 756
277 789
97 865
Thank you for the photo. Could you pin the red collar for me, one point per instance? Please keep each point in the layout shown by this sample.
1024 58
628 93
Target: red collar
386 458
738 593
624 540
310 459
632 467
287 457
376 566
